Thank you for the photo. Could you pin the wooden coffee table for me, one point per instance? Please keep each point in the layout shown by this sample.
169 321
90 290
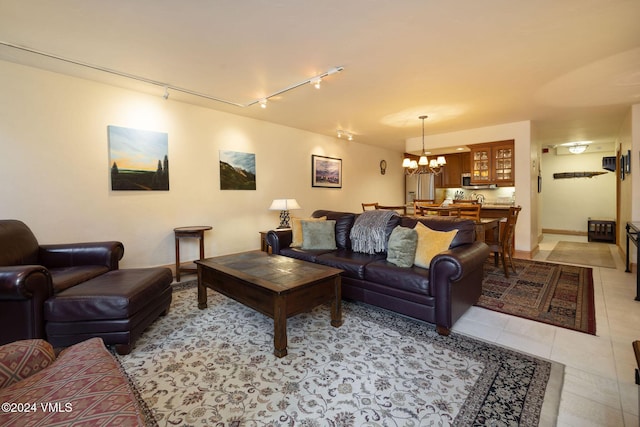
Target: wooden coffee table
274 285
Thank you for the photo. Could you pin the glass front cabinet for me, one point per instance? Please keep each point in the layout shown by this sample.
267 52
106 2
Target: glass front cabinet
493 163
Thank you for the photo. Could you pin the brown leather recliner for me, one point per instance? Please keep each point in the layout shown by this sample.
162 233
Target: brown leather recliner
67 293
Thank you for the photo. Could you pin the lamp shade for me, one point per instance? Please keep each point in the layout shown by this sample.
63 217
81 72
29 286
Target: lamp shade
284 205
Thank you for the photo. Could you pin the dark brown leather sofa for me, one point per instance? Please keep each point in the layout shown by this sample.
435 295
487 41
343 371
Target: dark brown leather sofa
68 293
439 294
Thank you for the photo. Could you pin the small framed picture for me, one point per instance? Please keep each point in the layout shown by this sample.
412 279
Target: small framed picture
326 172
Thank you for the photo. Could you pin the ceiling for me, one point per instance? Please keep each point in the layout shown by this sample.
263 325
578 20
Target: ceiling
572 67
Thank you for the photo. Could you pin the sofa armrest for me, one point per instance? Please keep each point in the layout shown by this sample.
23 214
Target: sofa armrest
457 262
279 239
75 254
21 359
23 282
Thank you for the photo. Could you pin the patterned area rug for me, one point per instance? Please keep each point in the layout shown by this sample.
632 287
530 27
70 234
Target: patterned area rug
596 254
561 295
216 367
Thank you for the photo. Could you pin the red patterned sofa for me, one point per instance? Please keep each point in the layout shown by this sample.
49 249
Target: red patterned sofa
84 385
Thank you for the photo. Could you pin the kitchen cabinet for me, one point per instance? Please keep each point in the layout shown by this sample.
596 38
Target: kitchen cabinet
493 163
452 171
465 162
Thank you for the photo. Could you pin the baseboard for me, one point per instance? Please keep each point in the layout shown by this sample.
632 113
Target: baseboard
569 232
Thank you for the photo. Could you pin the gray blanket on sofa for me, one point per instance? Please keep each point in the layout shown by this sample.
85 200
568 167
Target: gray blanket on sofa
368 232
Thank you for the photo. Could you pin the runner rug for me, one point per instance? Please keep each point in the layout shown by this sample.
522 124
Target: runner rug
215 367
557 294
591 253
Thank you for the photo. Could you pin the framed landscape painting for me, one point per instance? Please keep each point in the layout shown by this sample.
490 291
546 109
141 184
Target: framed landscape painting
139 159
326 172
237 170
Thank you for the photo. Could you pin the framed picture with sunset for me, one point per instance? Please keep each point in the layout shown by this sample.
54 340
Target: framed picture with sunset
138 159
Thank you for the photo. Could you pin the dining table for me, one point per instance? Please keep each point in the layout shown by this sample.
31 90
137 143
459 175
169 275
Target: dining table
449 210
488 230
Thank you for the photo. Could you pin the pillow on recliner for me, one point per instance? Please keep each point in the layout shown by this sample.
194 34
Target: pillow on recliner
401 249
319 235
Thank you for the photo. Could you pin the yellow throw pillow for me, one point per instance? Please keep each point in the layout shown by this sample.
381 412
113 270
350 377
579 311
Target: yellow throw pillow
296 229
431 243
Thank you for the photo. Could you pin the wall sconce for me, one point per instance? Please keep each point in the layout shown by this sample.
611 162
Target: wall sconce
284 206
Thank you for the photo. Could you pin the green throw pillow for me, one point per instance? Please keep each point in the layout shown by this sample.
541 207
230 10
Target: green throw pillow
317 235
401 249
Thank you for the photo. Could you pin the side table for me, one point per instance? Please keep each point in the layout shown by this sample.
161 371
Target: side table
196 232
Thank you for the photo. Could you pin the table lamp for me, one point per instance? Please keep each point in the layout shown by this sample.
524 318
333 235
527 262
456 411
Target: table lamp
284 205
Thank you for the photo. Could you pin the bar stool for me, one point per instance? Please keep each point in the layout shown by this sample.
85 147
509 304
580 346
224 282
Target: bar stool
196 232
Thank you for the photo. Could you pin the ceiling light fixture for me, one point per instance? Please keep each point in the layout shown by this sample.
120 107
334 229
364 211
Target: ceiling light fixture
342 133
316 82
167 86
166 93
577 149
423 165
263 102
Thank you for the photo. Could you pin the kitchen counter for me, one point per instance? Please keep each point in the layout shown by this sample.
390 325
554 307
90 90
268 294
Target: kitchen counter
494 211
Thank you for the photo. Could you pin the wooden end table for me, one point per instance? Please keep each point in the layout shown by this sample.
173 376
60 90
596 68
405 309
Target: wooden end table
276 286
196 232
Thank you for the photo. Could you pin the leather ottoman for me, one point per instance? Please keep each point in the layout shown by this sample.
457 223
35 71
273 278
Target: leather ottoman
116 306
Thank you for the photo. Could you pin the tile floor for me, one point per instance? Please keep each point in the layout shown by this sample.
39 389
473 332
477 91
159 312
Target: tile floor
599 383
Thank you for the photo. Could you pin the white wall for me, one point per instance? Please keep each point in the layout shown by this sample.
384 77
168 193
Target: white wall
55 172
568 203
525 155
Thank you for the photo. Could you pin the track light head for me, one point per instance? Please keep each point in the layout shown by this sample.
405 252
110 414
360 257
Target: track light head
166 93
263 103
316 82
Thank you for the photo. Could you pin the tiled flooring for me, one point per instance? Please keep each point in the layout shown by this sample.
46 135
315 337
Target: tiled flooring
599 384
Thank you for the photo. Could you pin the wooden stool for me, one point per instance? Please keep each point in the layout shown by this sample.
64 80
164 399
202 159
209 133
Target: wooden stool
192 232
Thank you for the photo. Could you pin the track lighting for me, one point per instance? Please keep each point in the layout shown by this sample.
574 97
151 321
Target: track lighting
263 102
347 135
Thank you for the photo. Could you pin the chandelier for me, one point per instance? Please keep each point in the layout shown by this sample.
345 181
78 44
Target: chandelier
423 165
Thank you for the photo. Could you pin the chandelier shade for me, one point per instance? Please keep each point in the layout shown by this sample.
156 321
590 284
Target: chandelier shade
423 165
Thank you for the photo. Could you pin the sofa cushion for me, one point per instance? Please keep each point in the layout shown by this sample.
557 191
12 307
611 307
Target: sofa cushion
67 277
413 279
319 235
296 229
431 243
89 384
302 254
352 263
21 359
402 245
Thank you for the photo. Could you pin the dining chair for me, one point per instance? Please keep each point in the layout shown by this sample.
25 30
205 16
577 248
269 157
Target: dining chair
369 206
400 209
422 202
504 246
469 210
